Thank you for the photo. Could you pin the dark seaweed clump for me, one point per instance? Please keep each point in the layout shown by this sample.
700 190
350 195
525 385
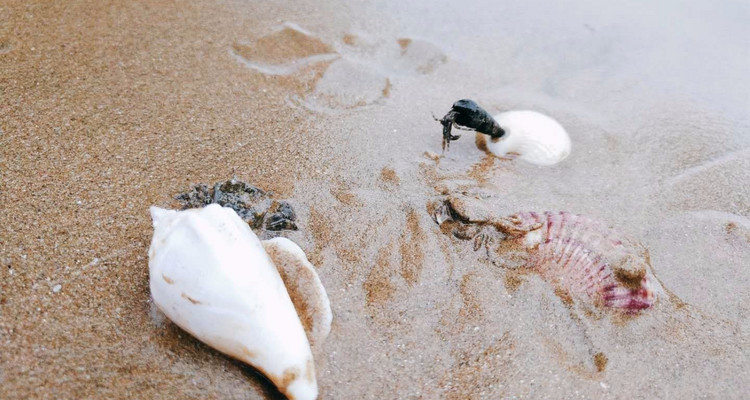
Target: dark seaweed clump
254 205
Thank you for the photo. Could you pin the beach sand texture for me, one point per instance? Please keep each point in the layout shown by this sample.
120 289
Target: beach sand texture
107 108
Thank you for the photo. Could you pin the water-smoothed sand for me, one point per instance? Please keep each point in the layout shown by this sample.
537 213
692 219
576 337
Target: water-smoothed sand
107 108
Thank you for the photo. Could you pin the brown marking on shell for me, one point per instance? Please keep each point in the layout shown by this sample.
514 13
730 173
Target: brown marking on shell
190 299
167 279
630 279
287 377
248 354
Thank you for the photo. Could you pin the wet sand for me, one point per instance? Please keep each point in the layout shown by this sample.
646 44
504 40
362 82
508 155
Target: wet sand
109 108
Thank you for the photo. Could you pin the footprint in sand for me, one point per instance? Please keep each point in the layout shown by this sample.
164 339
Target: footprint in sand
379 287
382 282
322 79
327 80
345 85
719 183
403 56
419 55
286 50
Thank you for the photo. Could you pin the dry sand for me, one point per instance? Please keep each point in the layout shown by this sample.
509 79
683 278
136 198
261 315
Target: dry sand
107 108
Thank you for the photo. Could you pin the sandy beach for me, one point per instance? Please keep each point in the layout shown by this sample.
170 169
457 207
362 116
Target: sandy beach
108 108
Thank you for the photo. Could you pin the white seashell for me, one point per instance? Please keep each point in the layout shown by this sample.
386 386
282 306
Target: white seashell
530 136
210 275
303 285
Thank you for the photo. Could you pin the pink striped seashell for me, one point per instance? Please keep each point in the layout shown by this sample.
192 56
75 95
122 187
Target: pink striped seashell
590 260
577 254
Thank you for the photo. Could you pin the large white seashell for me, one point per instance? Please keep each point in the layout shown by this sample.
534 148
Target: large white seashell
210 275
530 136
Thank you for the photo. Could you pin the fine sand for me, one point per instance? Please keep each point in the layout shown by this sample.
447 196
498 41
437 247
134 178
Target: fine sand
107 108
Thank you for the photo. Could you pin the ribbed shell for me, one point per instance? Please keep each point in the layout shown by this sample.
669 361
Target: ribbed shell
589 260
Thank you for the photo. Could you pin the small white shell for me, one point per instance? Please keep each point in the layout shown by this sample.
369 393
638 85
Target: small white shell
210 275
530 136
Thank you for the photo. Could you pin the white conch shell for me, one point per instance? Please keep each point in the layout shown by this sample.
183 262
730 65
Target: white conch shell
303 285
210 275
530 136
